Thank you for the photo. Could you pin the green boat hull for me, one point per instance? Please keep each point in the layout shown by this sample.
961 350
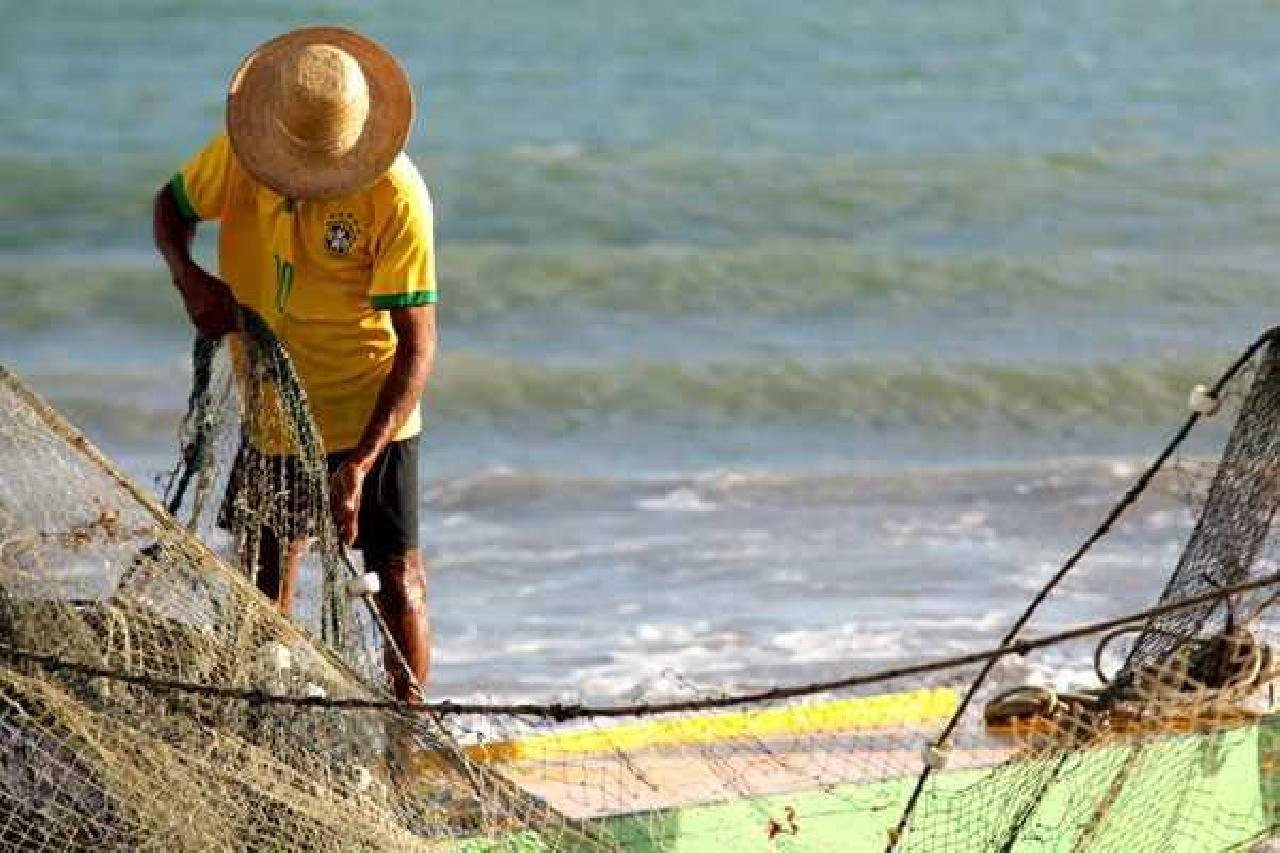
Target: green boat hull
1183 794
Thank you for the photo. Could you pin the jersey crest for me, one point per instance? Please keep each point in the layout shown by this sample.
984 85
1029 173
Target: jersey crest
340 234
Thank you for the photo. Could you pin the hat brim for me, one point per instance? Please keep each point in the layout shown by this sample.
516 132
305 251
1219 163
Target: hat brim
273 159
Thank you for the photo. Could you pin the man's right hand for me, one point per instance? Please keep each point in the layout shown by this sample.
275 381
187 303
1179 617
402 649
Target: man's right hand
209 302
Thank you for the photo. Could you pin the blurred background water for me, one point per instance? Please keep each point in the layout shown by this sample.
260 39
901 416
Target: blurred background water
779 340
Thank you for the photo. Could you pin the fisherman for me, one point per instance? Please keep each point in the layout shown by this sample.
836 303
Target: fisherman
326 232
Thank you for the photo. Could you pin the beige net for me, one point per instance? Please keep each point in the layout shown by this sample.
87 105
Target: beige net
93 573
153 698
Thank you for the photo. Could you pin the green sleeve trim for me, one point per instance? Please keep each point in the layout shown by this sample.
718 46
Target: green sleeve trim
184 201
387 301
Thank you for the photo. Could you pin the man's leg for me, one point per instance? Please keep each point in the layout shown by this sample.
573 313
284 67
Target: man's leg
388 538
278 569
403 602
262 487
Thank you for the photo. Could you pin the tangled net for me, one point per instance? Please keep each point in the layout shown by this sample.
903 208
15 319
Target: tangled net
95 572
152 698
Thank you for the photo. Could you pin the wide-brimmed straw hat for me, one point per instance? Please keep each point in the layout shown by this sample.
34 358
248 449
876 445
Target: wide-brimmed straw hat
319 112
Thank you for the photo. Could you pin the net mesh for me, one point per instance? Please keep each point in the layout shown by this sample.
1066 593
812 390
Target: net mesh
154 698
252 483
95 573
1232 538
1142 761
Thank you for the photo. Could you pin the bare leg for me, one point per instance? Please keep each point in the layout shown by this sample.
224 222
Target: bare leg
403 602
278 572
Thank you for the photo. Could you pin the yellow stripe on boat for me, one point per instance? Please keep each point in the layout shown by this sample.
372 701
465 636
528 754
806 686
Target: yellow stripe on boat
894 710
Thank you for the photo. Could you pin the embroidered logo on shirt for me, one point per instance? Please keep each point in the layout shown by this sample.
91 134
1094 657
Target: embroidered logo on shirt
340 233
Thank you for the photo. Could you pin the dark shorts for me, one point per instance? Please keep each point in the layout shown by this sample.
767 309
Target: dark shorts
281 501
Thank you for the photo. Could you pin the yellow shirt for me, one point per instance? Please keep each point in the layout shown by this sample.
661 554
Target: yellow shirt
323 274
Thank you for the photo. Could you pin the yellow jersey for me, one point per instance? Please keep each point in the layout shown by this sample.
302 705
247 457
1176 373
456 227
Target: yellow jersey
323 275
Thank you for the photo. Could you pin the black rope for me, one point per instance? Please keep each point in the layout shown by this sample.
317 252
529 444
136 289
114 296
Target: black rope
1129 498
562 712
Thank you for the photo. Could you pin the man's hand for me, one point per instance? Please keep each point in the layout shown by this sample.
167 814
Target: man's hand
208 299
345 490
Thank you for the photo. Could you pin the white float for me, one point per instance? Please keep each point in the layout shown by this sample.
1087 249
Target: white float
276 657
367 584
936 755
1202 401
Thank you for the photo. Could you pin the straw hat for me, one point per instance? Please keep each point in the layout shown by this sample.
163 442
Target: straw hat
319 112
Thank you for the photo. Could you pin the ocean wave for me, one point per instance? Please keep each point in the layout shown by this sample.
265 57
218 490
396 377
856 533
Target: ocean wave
774 279
42 294
926 397
798 278
933 396
1050 481
678 500
677 192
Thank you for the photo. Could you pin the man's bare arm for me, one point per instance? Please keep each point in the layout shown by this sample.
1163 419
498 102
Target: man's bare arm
207 298
414 358
415 355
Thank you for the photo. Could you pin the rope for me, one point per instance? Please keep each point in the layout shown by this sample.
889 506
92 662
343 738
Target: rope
195 424
1125 502
1192 685
561 712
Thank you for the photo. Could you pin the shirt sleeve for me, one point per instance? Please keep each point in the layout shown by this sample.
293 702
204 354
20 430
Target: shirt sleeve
404 266
201 185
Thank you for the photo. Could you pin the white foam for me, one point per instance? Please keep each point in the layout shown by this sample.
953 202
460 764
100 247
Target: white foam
967 623
1123 470
842 642
679 500
669 632
555 152
1167 519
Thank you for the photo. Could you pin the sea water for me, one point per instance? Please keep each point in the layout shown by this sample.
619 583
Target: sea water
778 340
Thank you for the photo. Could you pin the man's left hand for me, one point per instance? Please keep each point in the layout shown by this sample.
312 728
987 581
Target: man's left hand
345 489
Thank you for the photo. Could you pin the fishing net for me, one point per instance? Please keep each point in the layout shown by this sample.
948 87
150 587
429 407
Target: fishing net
252 483
1144 760
93 573
154 698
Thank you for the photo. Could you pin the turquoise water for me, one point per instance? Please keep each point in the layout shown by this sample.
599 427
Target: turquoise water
917 260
